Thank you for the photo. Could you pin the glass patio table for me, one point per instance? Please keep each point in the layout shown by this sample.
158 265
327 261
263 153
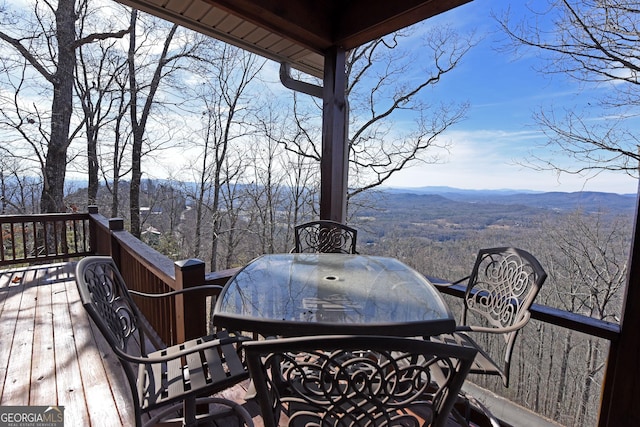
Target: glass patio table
314 294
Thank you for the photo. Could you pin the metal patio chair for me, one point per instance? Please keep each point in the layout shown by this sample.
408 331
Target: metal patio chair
500 290
356 381
167 381
325 236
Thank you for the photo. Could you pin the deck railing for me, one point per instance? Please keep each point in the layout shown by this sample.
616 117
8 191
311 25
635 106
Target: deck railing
33 239
144 269
555 316
44 238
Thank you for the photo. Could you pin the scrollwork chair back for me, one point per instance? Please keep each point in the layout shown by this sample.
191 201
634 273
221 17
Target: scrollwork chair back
325 236
502 286
112 302
356 381
500 290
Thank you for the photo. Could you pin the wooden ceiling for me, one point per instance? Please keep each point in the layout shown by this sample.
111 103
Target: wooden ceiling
297 32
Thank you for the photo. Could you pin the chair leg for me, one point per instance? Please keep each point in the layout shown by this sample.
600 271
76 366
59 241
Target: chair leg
462 413
189 413
472 401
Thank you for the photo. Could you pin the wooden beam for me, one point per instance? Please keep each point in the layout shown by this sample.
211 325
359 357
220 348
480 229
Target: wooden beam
305 22
335 150
318 25
360 21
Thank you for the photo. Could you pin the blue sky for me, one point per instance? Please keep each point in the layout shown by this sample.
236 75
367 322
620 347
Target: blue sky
499 132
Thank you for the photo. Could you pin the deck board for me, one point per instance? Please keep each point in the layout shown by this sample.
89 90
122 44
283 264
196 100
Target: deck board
50 353
21 311
100 402
67 375
109 363
8 314
43 350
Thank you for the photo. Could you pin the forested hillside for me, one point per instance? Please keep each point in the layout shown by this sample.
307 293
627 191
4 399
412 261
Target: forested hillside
456 214
582 241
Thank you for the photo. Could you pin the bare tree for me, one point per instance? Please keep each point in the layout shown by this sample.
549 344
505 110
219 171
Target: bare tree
267 188
586 261
25 135
384 81
147 70
594 43
47 42
114 159
224 103
99 69
17 187
283 184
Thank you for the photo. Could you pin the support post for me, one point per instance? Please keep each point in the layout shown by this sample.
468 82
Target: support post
115 224
334 165
93 230
191 310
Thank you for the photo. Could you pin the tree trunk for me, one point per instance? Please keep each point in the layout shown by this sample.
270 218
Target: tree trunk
540 353
138 124
136 173
231 244
198 230
136 178
564 365
215 225
92 158
548 398
61 108
592 363
54 173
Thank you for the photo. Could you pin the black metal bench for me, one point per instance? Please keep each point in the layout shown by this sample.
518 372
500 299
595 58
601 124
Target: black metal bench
167 381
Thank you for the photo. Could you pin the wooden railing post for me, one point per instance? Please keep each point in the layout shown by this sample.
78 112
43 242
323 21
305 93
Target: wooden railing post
191 311
93 229
115 224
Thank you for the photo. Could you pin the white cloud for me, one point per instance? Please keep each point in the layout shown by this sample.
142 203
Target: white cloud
489 159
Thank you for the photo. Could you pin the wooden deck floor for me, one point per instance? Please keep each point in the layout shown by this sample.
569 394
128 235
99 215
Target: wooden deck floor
50 353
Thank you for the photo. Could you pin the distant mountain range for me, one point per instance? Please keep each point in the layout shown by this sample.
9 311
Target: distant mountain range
456 199
453 190
589 201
